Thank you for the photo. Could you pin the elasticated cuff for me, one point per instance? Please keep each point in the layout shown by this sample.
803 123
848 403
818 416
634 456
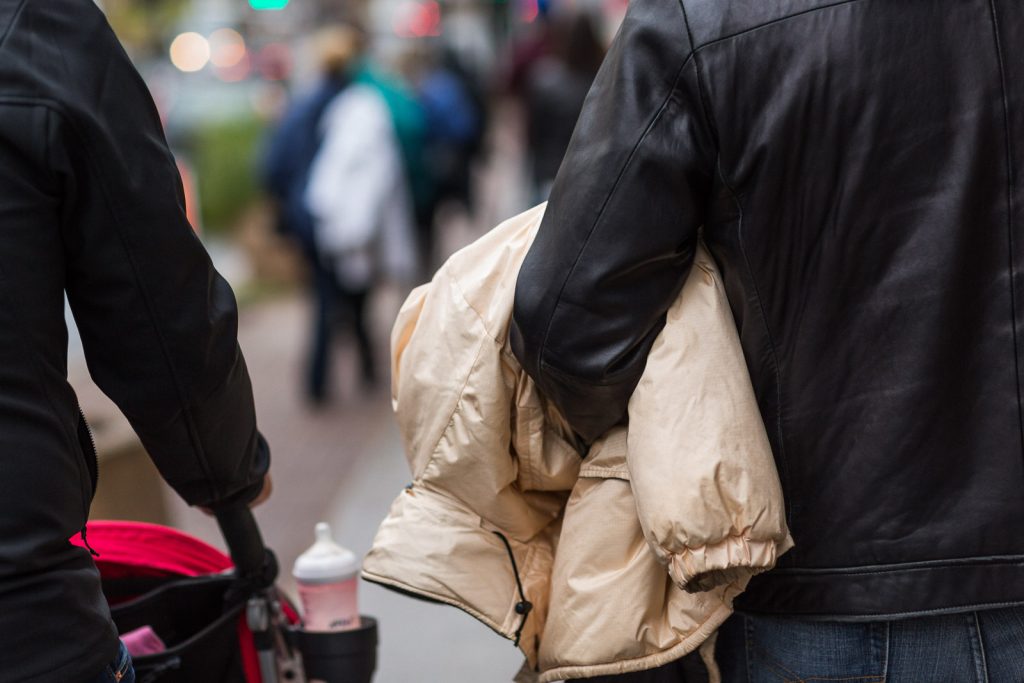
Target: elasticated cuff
735 558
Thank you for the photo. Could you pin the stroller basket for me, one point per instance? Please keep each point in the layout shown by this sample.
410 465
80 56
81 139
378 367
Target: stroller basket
220 618
196 602
203 632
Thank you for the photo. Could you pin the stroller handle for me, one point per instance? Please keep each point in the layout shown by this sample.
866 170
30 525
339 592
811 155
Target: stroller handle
253 561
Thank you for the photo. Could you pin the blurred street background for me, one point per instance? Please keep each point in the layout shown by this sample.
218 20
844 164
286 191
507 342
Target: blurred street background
436 119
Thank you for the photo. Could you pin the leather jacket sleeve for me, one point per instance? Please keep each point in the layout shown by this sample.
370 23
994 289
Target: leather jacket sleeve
618 238
158 323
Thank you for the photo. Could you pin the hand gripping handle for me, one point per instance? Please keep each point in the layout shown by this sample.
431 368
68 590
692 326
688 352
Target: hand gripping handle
253 561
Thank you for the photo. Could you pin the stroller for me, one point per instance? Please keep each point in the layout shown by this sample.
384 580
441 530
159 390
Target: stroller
220 618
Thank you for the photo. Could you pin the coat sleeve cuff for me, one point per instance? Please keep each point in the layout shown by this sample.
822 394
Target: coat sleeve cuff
736 558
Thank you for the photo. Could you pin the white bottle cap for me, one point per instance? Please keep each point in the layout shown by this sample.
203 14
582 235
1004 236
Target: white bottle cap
325 561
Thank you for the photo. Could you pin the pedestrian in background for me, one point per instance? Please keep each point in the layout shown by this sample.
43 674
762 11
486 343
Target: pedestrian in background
556 86
360 203
454 116
91 206
854 167
290 155
337 170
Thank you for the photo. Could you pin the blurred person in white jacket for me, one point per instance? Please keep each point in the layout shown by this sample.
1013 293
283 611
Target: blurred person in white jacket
359 199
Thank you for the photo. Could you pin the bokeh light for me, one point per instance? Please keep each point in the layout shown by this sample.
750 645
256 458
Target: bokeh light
239 71
418 19
190 52
529 11
274 61
227 48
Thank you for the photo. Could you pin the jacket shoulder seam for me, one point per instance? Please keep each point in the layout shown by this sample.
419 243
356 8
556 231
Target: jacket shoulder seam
709 119
15 17
771 22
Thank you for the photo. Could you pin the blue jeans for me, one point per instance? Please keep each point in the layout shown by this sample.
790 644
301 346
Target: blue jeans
958 648
118 671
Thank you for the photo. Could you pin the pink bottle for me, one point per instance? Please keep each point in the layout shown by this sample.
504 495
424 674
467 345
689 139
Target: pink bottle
327 576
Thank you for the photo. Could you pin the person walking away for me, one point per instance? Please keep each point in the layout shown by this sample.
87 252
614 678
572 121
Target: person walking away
855 168
454 131
409 121
290 154
91 205
361 207
556 87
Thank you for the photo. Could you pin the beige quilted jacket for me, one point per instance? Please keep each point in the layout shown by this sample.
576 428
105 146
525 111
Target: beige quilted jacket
587 564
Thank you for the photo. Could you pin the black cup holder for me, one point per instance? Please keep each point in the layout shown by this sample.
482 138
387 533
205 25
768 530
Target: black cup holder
339 656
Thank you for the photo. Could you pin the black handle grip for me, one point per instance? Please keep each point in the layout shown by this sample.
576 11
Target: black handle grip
245 543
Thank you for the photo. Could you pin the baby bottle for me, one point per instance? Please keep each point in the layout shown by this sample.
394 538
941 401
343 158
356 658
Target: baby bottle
327 575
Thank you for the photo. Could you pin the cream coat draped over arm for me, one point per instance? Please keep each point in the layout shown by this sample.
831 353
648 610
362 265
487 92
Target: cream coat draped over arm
621 561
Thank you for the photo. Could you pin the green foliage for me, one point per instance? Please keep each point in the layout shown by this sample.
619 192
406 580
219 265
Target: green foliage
142 24
225 157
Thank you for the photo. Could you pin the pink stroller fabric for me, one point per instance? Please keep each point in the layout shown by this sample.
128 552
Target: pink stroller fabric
138 549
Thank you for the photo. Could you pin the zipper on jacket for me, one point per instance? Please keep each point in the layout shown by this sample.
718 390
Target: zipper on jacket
88 442
92 463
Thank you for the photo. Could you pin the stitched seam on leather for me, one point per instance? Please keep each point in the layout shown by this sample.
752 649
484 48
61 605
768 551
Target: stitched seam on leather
771 342
709 119
903 566
710 116
771 22
1009 212
604 205
15 17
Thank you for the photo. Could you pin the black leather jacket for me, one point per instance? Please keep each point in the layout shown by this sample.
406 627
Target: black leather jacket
91 205
857 169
